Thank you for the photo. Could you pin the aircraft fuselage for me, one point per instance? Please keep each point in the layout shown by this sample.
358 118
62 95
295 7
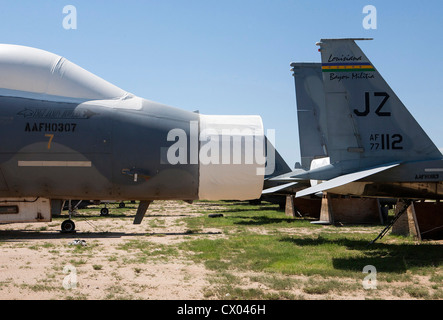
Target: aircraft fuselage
90 151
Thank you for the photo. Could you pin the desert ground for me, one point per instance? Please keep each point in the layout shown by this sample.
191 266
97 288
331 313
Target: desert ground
109 258
37 259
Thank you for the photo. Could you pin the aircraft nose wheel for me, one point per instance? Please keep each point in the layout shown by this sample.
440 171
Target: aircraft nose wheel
104 212
68 226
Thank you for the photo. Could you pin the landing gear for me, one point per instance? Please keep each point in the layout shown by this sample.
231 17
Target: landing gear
104 211
68 226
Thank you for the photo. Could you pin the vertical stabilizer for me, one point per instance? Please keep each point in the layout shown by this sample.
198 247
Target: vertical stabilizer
310 111
365 118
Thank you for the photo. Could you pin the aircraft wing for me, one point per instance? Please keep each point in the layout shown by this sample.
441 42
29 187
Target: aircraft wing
278 188
342 180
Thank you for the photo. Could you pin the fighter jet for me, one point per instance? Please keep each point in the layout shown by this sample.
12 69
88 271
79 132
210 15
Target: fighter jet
311 126
375 146
69 135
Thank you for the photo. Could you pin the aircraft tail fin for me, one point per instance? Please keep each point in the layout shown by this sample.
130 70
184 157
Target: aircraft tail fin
310 99
366 120
275 164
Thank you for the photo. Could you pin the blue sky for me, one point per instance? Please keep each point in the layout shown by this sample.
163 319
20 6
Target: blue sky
233 57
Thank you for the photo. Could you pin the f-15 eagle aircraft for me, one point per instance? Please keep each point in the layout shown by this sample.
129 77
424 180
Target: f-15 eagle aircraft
310 100
68 134
376 147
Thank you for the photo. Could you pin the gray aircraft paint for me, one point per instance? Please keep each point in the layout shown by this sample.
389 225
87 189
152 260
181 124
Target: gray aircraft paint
310 102
68 134
116 143
362 102
311 126
372 137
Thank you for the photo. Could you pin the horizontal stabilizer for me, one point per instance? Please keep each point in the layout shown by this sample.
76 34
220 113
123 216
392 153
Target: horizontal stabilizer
342 180
278 188
291 176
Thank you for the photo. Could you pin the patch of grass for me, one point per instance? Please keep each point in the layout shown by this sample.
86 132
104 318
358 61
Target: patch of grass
239 215
275 282
233 292
156 223
328 253
117 292
437 295
259 253
437 278
39 287
417 292
77 262
264 253
146 250
331 253
318 288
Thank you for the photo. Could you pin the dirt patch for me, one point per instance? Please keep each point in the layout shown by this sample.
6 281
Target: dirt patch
119 261
111 258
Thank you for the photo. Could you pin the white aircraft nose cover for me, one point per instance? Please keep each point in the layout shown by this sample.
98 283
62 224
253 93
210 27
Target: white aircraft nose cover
36 71
231 157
